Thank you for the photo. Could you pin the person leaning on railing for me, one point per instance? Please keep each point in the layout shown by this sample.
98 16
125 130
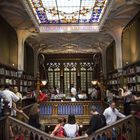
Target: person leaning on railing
129 98
112 113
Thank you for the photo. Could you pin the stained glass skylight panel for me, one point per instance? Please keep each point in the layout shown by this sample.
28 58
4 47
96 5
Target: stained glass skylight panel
68 11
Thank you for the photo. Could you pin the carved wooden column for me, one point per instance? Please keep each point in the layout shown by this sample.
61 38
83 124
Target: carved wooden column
62 77
22 35
38 82
78 77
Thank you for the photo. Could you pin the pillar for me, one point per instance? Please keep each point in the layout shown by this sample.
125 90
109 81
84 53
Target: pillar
38 82
36 64
22 35
117 35
103 52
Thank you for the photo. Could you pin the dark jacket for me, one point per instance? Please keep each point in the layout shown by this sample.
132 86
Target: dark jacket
34 120
96 122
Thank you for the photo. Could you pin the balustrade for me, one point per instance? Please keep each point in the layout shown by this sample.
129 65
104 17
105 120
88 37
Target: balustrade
50 111
128 127
123 128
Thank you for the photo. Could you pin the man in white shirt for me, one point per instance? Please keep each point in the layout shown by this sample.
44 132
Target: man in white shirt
73 91
111 114
10 97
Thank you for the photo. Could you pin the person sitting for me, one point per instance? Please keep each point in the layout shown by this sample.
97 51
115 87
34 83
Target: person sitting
59 130
97 121
71 128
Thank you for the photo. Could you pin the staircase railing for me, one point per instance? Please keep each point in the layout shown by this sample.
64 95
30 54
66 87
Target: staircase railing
123 128
120 130
137 127
4 128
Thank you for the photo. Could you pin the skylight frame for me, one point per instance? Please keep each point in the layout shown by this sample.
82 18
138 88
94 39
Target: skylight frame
43 16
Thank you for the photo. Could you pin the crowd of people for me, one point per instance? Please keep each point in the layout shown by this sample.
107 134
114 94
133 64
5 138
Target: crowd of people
70 128
125 94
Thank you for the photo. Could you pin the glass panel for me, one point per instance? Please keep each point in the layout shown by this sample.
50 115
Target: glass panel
68 11
57 79
50 78
83 80
69 76
89 78
73 78
54 74
66 82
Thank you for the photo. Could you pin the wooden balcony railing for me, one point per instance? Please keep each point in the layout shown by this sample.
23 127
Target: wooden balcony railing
123 128
49 111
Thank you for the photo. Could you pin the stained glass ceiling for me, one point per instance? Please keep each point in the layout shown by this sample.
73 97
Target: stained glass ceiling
68 11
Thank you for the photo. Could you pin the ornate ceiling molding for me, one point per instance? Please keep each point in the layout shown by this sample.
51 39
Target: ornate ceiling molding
30 13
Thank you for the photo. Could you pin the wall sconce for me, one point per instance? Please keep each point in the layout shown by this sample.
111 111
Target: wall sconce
126 63
44 82
94 82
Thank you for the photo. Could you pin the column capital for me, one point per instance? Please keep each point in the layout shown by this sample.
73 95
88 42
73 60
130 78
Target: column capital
24 34
116 33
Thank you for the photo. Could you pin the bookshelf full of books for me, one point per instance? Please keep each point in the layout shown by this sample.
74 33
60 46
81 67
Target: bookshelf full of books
131 77
26 82
9 74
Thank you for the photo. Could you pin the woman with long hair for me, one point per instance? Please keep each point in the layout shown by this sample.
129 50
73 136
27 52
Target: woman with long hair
59 130
71 128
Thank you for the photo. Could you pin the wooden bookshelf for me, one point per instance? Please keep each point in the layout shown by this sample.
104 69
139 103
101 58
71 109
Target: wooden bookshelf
131 77
113 79
9 74
26 82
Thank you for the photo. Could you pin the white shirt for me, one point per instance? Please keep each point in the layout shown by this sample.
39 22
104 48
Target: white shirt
73 91
19 95
71 130
9 96
111 116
